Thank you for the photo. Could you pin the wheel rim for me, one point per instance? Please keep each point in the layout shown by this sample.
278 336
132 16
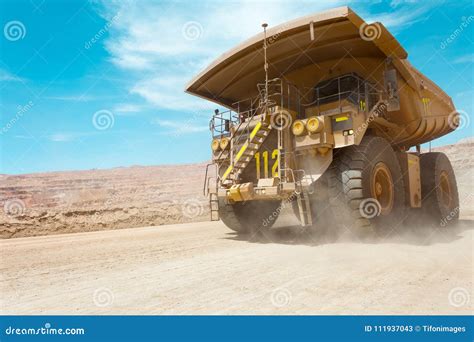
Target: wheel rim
382 187
446 198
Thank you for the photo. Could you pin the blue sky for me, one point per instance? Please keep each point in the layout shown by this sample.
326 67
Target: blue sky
125 63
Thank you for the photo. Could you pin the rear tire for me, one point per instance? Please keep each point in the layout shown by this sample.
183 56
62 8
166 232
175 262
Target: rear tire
439 191
366 188
249 217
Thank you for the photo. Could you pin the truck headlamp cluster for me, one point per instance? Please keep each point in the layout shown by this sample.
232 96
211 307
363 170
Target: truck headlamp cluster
215 145
224 143
220 144
298 127
312 125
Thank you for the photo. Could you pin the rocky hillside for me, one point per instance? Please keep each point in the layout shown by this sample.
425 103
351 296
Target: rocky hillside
63 202
77 201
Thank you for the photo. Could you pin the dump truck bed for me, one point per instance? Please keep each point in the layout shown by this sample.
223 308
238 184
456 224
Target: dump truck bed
311 49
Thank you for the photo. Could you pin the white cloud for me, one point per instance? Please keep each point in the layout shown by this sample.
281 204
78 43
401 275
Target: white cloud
465 59
465 93
155 42
180 127
74 98
61 137
127 108
68 136
25 137
163 45
396 3
403 17
7 76
167 92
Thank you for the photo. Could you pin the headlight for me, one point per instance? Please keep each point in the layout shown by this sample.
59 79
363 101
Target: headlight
224 143
215 145
314 125
298 127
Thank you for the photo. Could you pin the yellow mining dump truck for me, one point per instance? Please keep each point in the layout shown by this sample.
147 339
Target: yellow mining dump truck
322 113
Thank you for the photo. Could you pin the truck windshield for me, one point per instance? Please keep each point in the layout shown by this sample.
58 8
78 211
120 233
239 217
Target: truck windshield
349 87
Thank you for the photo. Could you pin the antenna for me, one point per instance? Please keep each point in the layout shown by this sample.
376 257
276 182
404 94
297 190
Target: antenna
264 25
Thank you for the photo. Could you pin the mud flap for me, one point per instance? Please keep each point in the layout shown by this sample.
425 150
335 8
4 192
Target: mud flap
315 166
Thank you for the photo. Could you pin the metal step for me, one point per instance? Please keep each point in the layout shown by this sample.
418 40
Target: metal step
214 206
249 153
261 135
304 208
245 154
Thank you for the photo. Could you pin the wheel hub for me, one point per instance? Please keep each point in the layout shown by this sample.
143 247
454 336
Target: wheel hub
446 197
382 187
378 189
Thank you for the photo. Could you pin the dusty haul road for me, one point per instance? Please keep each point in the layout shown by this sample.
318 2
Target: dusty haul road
203 268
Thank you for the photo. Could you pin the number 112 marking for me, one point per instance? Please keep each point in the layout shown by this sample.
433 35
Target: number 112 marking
264 155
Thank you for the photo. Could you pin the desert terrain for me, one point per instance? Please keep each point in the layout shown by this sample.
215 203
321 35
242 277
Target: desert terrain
153 266
81 201
203 268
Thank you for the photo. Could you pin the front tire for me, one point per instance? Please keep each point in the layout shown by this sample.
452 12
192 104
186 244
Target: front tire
366 188
249 217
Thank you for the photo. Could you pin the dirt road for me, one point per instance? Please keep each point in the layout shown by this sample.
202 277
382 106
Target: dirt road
203 268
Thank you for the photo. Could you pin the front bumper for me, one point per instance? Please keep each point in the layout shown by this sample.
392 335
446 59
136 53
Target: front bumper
266 189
